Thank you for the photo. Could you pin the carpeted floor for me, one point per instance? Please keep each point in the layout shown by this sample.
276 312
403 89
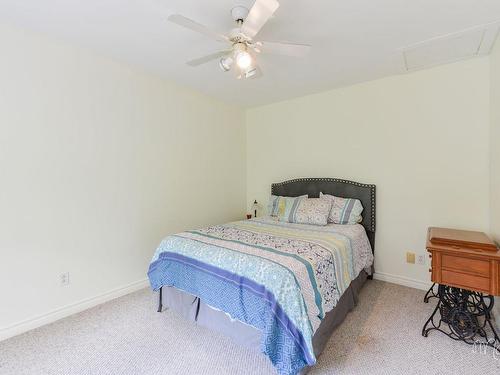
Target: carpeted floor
126 336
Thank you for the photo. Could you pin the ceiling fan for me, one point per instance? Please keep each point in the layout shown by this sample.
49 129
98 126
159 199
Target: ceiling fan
243 48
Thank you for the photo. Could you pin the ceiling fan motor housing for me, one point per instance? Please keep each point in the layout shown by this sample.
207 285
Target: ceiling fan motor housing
236 36
239 47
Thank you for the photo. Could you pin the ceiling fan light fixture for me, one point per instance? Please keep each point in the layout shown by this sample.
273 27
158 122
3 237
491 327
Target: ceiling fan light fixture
244 60
249 73
241 53
226 63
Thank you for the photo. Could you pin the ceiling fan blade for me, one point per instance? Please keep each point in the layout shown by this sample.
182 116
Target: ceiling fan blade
281 48
260 13
195 26
208 58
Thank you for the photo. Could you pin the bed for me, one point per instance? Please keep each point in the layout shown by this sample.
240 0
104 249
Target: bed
279 287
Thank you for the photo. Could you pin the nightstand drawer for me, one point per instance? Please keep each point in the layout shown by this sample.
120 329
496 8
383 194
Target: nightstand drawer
466 281
467 265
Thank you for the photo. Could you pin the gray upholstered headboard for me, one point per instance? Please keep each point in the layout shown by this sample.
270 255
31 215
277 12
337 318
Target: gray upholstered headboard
341 188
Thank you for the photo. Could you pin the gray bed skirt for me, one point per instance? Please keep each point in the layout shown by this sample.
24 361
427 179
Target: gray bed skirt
191 308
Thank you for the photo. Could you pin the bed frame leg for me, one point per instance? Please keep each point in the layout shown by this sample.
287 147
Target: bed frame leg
370 277
160 305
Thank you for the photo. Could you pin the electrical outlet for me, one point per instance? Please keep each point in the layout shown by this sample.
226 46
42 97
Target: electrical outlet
64 278
410 257
421 259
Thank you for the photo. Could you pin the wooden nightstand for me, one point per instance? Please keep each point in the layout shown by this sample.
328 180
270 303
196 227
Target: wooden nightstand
466 267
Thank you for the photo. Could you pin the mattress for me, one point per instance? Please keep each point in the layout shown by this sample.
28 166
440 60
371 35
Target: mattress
279 278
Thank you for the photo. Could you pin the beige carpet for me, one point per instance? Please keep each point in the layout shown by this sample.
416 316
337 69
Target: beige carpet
126 336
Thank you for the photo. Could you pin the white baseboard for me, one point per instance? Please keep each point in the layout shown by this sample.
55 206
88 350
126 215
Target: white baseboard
62 312
496 316
54 315
401 280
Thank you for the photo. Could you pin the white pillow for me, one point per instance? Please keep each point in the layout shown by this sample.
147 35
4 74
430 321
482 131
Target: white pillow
344 210
313 211
284 208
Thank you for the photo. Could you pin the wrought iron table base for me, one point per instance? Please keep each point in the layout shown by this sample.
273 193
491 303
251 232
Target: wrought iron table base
464 315
430 294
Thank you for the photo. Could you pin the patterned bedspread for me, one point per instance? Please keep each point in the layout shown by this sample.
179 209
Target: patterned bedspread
281 278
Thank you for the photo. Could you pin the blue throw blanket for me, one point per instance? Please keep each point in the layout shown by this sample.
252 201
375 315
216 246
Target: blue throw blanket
277 277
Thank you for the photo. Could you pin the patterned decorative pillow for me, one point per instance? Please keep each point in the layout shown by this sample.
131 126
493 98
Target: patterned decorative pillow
344 210
284 208
313 211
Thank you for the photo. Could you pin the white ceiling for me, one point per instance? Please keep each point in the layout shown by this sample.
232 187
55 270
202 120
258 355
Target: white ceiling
353 40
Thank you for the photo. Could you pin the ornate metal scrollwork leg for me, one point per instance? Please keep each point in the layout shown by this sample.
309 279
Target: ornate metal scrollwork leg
466 316
430 294
425 331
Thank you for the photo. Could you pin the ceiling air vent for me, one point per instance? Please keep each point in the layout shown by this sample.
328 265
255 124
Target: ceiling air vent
448 48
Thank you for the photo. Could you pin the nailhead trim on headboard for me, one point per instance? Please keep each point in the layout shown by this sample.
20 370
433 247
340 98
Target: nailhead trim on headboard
371 187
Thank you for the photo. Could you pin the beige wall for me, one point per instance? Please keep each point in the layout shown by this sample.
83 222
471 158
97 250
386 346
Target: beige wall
495 142
495 152
135 158
422 138
97 163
